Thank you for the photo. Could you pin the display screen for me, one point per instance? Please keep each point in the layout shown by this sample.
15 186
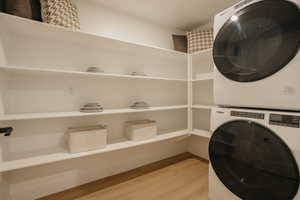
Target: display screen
276 118
285 120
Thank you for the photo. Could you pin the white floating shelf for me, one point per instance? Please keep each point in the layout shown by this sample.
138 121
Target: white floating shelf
28 116
206 51
205 77
64 155
203 106
201 133
33 28
26 70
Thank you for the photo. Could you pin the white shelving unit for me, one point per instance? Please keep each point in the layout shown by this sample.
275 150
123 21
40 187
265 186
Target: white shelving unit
42 77
43 83
201 73
86 50
61 154
31 116
20 25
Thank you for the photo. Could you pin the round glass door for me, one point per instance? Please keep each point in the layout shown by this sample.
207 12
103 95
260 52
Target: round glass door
253 162
258 40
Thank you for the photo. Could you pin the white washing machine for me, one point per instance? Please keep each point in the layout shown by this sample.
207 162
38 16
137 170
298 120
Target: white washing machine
256 55
254 155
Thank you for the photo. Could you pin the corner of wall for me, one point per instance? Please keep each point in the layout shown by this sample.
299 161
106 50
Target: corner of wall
209 24
99 19
2 50
3 82
198 146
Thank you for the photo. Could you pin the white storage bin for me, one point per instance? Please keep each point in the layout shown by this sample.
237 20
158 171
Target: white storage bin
87 138
141 130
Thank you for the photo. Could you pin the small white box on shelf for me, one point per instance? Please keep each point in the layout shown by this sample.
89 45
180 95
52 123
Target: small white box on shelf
81 139
141 130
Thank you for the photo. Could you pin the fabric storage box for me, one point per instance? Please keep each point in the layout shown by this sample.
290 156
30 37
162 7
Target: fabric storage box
60 13
141 130
200 40
87 138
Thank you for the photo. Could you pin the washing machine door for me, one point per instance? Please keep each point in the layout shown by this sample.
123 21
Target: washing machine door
253 162
258 41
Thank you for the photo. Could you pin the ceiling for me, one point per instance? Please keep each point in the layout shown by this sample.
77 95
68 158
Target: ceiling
180 14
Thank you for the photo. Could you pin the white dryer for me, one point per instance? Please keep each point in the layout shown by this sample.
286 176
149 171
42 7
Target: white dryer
256 55
254 155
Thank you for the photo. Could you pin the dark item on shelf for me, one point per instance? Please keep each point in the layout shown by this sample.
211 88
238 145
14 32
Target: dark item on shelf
6 131
138 74
140 105
91 108
2 5
30 9
180 43
94 70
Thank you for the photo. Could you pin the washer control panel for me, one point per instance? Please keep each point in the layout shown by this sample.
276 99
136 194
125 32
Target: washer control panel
285 120
247 115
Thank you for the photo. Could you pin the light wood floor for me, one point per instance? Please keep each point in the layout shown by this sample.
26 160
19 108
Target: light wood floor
186 180
182 177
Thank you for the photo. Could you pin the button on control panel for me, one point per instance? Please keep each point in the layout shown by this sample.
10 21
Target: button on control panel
248 115
285 120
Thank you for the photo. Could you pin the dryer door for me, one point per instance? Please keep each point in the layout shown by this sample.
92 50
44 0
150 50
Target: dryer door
258 40
252 162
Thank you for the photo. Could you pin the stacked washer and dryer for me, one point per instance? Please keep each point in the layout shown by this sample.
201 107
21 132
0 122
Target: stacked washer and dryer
255 147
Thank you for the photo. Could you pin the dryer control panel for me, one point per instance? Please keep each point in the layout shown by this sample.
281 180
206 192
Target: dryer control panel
285 120
248 115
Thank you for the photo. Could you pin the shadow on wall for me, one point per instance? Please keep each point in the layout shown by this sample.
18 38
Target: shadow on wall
206 25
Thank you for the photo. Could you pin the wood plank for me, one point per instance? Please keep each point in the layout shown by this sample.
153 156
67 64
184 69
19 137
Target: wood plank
182 181
152 169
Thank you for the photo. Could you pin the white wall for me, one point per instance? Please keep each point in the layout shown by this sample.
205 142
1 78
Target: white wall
98 19
198 146
3 85
2 55
208 25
